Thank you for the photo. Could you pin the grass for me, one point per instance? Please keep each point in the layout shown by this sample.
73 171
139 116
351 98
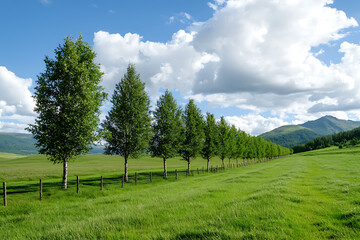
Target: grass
314 195
18 168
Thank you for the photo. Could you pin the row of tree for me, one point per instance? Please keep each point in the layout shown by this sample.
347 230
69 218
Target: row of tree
68 99
338 139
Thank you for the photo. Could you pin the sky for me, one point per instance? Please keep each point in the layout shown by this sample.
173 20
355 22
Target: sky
259 63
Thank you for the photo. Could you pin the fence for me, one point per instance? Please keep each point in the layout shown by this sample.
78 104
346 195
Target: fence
133 179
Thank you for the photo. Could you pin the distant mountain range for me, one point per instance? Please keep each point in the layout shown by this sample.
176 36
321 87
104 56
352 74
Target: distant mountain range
20 143
291 135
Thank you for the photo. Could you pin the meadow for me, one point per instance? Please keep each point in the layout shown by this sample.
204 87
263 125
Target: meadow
313 195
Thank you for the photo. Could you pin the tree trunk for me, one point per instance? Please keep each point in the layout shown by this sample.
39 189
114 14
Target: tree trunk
165 171
229 163
208 163
126 169
188 166
223 163
64 180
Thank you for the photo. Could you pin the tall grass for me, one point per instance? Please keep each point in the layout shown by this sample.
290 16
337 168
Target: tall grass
313 195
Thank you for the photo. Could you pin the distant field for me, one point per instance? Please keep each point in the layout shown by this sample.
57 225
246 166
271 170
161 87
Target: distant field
33 167
314 195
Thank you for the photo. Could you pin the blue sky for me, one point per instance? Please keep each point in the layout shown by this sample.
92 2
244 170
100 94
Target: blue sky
259 63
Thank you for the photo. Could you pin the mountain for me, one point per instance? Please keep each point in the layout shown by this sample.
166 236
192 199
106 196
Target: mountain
291 135
20 143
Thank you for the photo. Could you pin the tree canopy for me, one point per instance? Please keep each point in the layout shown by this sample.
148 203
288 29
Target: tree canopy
68 100
193 133
167 126
127 127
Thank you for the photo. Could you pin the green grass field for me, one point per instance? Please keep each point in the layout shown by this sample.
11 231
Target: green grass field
314 195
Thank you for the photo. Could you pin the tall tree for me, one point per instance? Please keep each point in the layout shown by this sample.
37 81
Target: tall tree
223 146
211 139
231 151
68 100
193 134
240 144
127 127
167 127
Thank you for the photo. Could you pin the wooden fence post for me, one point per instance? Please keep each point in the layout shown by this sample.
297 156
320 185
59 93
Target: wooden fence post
136 178
122 181
102 183
41 185
176 174
4 191
77 184
150 176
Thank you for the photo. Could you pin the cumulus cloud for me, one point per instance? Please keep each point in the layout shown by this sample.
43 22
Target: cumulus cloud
255 124
15 99
253 54
171 65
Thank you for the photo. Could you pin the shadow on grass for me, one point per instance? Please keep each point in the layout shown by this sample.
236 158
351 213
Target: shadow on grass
142 178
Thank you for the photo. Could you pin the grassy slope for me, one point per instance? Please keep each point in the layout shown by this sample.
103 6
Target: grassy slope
314 195
17 143
20 143
290 135
329 125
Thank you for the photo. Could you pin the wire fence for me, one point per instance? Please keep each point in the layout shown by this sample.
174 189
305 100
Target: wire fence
133 179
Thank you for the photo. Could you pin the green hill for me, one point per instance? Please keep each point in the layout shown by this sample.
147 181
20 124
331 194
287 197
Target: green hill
291 135
288 135
329 125
17 143
21 143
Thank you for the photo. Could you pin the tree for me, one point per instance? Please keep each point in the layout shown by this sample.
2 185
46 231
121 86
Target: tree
192 134
68 100
167 126
127 127
223 146
231 145
240 144
211 139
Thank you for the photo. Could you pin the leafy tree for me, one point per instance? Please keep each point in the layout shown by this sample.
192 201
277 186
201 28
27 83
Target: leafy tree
68 100
223 146
127 128
231 151
193 134
240 143
211 139
167 127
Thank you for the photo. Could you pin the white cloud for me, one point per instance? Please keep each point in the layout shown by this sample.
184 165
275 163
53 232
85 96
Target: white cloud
182 17
16 103
255 124
12 127
253 54
15 96
171 65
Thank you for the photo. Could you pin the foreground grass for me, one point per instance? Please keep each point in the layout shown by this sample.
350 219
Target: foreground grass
314 195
